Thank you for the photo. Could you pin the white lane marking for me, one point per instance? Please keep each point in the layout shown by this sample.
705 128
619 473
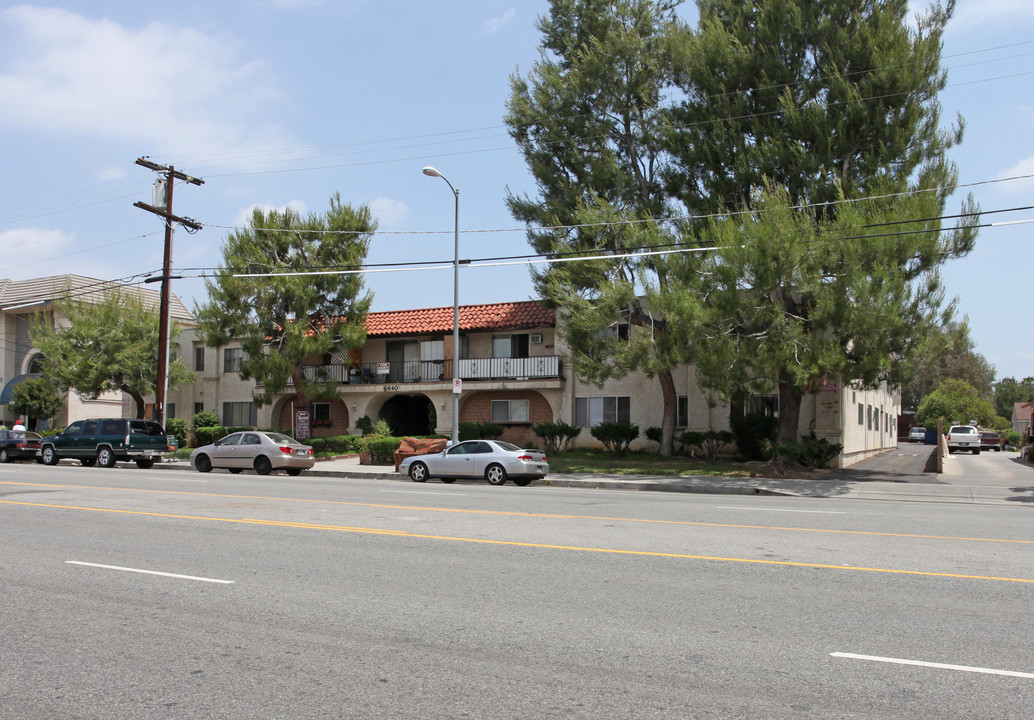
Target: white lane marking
150 572
819 512
422 492
940 666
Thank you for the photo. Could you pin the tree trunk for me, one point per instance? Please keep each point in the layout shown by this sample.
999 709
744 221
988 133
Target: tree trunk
789 408
139 401
670 406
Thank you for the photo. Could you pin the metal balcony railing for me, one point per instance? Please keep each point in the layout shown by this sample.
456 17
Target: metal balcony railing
432 371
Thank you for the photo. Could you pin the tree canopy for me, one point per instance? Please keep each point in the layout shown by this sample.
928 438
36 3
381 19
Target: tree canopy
785 161
292 314
106 346
36 399
955 402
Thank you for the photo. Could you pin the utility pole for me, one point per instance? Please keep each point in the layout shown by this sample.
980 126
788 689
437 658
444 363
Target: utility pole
164 210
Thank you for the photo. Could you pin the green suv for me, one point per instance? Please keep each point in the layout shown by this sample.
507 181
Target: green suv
105 441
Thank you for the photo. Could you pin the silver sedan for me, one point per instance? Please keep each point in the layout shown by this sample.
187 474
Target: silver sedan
261 451
494 460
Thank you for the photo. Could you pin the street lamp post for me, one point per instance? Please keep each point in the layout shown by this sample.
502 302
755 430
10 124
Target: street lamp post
455 308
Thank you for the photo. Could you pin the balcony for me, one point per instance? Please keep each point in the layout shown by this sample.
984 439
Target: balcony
434 371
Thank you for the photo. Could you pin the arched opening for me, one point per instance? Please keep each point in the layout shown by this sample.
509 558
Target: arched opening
409 415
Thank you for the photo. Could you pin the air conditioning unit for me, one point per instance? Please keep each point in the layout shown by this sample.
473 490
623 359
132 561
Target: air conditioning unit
536 339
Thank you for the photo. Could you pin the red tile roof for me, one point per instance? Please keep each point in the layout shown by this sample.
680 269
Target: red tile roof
497 316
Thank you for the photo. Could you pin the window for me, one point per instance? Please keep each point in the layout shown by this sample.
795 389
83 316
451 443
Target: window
199 358
591 411
510 346
239 414
170 411
861 414
199 407
75 429
510 411
767 405
619 331
682 411
232 359
321 413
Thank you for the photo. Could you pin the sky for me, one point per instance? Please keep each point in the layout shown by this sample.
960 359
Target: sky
286 102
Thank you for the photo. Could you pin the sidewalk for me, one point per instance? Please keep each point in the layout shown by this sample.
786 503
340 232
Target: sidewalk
894 475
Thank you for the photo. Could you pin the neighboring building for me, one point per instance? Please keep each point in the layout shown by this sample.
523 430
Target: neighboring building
1021 418
22 301
514 372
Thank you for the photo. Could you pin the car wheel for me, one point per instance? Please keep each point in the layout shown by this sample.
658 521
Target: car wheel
88 462
262 465
106 458
448 480
235 471
522 481
203 463
495 474
49 456
951 450
4 457
977 451
145 463
418 472
294 472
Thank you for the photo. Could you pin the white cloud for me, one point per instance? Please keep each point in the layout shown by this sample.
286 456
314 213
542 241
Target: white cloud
167 88
244 216
389 213
28 249
1021 169
496 24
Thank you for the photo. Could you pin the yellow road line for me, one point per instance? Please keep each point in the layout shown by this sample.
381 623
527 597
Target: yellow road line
513 543
509 513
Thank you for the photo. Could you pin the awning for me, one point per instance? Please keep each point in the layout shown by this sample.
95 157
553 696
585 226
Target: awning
7 394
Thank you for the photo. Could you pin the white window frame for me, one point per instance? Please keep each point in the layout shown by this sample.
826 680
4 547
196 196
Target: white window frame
591 411
511 411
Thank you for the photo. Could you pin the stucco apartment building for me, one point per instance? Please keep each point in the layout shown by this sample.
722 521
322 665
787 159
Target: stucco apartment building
514 371
22 302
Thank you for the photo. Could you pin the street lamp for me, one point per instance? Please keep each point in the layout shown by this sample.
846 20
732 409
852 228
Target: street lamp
430 171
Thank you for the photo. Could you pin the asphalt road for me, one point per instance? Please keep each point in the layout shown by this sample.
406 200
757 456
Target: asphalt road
321 598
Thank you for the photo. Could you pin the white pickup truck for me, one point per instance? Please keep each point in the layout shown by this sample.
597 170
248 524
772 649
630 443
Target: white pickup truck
964 437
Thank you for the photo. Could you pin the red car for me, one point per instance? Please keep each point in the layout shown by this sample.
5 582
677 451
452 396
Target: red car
990 441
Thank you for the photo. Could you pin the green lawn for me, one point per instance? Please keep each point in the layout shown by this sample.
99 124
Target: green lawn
644 463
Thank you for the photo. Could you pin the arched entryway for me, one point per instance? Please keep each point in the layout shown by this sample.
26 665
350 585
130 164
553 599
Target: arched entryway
409 415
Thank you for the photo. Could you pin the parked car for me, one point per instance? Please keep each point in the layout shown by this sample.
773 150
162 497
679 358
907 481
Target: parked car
991 441
964 437
494 460
917 434
105 441
260 451
18 445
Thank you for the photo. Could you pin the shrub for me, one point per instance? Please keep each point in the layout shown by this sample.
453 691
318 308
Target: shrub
205 418
615 436
365 424
810 451
556 436
654 433
208 435
710 442
1013 438
754 434
467 430
382 449
180 429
